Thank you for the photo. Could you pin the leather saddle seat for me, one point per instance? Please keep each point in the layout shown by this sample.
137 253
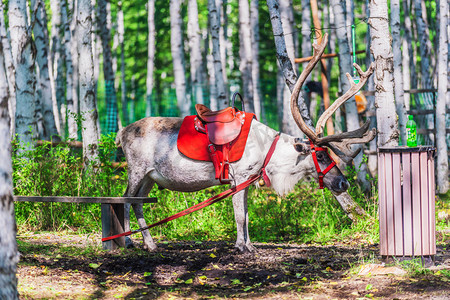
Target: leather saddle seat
222 126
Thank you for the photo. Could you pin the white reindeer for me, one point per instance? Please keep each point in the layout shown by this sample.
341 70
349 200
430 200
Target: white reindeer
150 147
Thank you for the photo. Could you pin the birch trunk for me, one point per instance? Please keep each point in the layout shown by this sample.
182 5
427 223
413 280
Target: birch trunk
88 107
108 73
23 54
398 78
287 20
74 54
245 52
178 60
424 45
225 45
9 66
306 48
70 89
345 66
441 145
151 56
352 208
57 59
195 51
44 90
408 50
211 72
222 100
257 92
9 256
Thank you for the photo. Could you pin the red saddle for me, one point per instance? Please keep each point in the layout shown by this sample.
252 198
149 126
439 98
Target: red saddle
216 136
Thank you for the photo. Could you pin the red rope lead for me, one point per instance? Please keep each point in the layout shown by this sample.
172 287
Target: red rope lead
207 202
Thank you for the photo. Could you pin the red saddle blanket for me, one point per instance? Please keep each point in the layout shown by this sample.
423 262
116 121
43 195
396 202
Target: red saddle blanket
194 144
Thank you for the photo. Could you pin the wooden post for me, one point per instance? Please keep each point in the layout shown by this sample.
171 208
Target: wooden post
326 96
112 224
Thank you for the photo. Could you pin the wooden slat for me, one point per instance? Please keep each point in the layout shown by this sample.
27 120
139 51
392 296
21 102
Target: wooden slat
431 197
424 207
382 203
407 205
397 204
417 235
389 205
110 200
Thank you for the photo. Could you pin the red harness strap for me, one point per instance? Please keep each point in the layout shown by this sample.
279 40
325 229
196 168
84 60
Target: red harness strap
211 200
321 174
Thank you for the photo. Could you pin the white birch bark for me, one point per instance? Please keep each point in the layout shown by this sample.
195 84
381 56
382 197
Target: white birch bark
10 71
306 45
345 66
57 55
72 5
88 107
44 90
194 37
424 45
9 256
381 50
150 56
257 92
245 53
441 145
108 73
224 40
398 78
222 100
287 20
211 72
178 60
70 89
23 53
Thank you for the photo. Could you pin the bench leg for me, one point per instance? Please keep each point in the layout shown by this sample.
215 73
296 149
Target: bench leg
113 223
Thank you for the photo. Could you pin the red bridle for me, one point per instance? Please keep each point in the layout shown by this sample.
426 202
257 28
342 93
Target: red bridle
321 173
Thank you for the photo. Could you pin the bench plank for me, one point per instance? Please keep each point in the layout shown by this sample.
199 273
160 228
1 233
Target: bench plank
110 200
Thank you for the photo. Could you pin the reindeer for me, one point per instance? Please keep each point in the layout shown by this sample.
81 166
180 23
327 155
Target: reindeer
150 147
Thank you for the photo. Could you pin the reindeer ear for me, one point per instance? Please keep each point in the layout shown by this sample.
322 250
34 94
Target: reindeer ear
301 148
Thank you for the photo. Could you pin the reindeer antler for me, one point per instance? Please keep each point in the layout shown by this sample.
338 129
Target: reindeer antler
339 143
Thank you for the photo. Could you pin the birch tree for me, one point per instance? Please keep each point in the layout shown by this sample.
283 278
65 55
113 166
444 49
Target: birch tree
88 107
9 256
72 6
398 78
257 92
345 66
178 60
245 53
57 62
108 73
70 85
441 145
424 45
9 66
352 209
408 64
150 56
195 51
23 54
226 46
221 95
381 49
44 90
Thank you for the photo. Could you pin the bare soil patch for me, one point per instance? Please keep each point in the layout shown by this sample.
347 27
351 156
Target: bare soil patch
67 266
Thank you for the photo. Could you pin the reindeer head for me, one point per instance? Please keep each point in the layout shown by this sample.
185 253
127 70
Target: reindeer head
338 143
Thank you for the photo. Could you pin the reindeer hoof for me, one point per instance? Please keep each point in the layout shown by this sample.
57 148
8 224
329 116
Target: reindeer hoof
129 243
150 247
246 248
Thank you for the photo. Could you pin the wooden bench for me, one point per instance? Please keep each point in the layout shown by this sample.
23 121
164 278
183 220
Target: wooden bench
112 212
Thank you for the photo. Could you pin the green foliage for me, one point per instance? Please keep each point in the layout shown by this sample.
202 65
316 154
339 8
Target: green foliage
58 171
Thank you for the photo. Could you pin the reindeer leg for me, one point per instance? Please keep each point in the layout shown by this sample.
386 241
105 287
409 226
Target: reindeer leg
138 190
241 216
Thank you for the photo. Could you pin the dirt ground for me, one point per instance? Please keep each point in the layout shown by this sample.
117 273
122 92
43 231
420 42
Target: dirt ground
67 266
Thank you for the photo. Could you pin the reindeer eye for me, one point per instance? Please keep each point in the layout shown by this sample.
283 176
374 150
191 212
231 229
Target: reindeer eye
320 155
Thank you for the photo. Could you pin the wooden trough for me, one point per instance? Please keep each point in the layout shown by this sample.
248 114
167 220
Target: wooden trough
407 201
